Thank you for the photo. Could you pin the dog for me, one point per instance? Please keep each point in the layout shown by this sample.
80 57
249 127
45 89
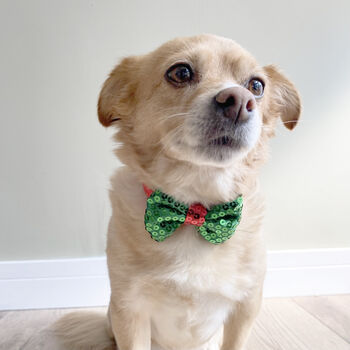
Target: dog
193 119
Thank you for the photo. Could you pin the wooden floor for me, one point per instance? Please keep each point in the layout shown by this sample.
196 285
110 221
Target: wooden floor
307 323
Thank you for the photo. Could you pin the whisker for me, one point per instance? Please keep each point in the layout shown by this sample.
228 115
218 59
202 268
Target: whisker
169 136
168 117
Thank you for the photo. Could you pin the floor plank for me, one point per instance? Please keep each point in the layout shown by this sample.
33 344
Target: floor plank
284 325
332 311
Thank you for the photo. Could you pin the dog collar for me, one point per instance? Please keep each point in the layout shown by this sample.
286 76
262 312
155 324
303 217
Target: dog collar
164 215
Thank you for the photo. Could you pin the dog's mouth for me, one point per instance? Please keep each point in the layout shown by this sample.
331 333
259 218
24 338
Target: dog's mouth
214 139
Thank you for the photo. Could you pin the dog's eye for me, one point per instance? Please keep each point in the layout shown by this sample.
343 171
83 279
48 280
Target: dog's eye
179 74
256 87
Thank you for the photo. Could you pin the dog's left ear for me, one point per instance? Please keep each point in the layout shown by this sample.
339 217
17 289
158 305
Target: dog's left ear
285 97
118 92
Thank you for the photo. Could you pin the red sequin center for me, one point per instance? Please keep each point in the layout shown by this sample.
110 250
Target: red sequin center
196 215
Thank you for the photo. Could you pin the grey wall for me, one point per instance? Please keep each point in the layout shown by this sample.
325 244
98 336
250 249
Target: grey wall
55 158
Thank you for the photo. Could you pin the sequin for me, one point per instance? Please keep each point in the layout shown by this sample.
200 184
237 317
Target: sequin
164 215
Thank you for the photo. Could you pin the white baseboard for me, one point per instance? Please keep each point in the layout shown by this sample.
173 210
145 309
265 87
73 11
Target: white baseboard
307 272
37 284
40 284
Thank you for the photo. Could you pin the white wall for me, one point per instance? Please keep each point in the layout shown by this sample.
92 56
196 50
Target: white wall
56 158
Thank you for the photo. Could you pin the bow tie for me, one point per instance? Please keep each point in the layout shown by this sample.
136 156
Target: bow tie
164 215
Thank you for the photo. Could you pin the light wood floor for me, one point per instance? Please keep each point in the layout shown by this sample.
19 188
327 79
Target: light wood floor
307 323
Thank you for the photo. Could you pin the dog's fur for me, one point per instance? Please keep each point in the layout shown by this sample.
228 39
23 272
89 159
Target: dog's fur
183 293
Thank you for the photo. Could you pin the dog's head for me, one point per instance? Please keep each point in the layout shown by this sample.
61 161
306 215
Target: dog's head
202 100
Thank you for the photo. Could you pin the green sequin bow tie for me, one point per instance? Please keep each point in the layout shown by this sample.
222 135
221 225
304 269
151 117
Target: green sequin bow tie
164 215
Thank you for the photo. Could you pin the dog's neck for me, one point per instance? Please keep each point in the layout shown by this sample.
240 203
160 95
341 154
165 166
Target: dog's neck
190 183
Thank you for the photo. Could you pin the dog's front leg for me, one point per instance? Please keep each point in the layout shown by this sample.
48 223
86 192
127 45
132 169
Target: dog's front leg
132 331
238 325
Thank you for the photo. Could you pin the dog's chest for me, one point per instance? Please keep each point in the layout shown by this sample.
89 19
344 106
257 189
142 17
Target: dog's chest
189 301
179 320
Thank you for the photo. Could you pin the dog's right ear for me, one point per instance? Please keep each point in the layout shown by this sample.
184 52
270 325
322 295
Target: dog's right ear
285 97
118 92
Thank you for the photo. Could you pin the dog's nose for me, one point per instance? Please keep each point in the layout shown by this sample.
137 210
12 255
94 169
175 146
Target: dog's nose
236 103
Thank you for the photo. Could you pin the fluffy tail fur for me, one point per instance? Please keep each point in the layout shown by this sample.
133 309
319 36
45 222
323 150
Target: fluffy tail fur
84 331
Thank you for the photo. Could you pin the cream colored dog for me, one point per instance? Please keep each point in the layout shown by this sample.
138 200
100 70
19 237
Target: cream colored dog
193 119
